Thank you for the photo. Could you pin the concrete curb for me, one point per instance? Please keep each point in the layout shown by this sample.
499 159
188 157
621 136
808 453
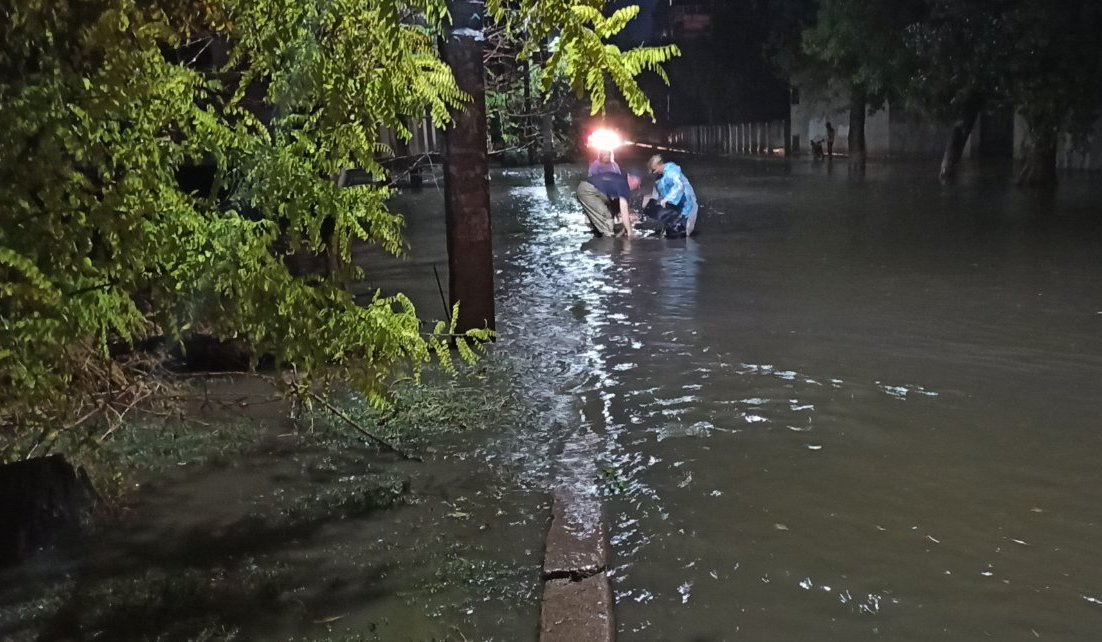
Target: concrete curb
577 599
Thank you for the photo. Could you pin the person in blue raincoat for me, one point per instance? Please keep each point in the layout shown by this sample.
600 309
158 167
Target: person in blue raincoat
672 191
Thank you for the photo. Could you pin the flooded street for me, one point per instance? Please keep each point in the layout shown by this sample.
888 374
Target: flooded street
847 409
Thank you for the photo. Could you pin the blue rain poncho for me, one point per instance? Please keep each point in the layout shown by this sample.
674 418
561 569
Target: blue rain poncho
676 190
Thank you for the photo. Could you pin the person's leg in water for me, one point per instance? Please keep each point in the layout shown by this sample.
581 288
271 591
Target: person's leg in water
674 224
665 220
690 219
595 206
648 219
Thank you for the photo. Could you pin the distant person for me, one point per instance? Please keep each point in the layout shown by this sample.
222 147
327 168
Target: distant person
830 140
604 165
604 197
673 201
817 150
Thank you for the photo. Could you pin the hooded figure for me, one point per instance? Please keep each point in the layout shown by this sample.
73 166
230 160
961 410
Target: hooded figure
673 190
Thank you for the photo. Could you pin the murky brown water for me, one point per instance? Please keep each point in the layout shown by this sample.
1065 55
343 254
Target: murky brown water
846 410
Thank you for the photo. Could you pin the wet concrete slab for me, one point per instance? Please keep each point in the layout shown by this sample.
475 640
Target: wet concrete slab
574 611
577 542
577 600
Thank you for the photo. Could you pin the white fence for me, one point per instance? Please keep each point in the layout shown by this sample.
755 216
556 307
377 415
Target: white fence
765 138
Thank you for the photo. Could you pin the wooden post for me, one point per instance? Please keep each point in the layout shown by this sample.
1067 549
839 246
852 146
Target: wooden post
466 172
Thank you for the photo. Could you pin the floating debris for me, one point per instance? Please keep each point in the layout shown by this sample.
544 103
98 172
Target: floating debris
699 429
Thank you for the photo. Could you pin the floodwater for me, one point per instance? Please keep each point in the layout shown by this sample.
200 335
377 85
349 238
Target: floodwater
848 409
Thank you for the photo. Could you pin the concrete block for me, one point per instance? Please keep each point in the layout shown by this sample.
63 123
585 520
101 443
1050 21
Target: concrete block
577 611
577 542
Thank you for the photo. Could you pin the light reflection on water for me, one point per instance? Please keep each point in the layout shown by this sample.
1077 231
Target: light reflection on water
844 411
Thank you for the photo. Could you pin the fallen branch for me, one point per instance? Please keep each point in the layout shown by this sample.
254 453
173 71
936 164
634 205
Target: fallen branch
359 428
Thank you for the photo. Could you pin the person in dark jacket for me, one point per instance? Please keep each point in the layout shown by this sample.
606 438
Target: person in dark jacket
604 197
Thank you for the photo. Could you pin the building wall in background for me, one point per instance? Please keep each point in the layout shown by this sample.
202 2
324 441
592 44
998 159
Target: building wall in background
893 132
1069 154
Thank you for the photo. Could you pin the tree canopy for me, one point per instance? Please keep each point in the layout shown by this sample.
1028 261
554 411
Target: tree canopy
948 58
108 106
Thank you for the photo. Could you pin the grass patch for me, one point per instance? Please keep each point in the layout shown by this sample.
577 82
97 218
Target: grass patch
209 585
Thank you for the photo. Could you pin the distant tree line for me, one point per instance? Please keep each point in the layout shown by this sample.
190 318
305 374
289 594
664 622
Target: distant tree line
951 59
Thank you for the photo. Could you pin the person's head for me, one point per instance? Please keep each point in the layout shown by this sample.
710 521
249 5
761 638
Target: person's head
604 156
633 181
656 165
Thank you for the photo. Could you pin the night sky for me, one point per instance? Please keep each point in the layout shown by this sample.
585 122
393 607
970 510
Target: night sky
724 76
646 28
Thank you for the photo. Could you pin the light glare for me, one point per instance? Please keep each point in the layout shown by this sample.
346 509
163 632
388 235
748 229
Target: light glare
605 140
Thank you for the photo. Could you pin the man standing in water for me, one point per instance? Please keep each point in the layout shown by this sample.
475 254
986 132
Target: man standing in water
604 193
830 140
672 191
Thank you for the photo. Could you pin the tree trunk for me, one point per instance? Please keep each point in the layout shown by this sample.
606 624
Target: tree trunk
547 130
466 175
1039 169
858 104
548 149
962 129
788 141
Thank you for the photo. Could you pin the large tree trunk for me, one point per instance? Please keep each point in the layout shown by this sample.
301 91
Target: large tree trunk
547 131
858 104
548 136
466 175
962 129
1039 169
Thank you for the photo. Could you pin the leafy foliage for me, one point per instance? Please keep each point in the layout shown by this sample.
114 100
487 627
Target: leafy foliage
1041 58
577 31
861 42
110 108
959 54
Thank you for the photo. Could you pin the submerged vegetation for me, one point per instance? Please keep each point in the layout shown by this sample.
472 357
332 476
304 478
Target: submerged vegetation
187 559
